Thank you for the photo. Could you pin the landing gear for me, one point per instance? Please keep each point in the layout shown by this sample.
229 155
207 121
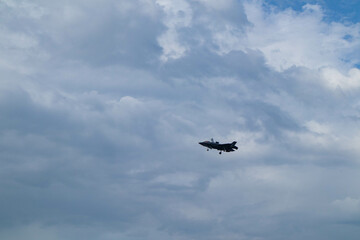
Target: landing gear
219 152
207 149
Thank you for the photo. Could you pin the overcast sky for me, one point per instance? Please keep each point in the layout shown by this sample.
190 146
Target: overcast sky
103 103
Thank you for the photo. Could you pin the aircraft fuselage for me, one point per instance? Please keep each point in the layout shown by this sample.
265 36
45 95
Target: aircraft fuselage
226 147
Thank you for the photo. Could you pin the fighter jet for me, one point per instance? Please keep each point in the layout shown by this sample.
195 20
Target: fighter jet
226 147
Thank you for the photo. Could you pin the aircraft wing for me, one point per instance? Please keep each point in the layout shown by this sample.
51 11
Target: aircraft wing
226 145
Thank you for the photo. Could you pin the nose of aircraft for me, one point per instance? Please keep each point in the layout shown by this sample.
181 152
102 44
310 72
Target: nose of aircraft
201 143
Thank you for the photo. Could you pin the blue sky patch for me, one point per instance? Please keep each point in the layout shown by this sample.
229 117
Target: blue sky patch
341 10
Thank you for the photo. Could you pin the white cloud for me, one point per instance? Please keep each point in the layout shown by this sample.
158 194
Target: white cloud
334 79
42 233
348 205
178 15
177 179
218 5
318 128
25 8
288 38
172 49
192 212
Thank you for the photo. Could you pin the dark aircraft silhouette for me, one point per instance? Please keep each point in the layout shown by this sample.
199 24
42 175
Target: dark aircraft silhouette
226 147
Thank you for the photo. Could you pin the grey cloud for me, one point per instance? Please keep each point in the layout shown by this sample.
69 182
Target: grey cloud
93 33
99 136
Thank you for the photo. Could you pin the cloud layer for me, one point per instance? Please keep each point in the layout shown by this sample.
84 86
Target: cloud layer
103 102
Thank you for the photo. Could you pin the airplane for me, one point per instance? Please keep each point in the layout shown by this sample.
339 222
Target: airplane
226 147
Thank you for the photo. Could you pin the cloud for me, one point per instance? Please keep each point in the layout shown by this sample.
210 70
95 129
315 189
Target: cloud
335 79
290 38
178 15
103 105
348 204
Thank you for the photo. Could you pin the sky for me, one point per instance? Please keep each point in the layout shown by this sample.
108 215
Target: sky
103 103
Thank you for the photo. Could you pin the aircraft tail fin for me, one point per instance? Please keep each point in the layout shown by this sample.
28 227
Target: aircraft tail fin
233 145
